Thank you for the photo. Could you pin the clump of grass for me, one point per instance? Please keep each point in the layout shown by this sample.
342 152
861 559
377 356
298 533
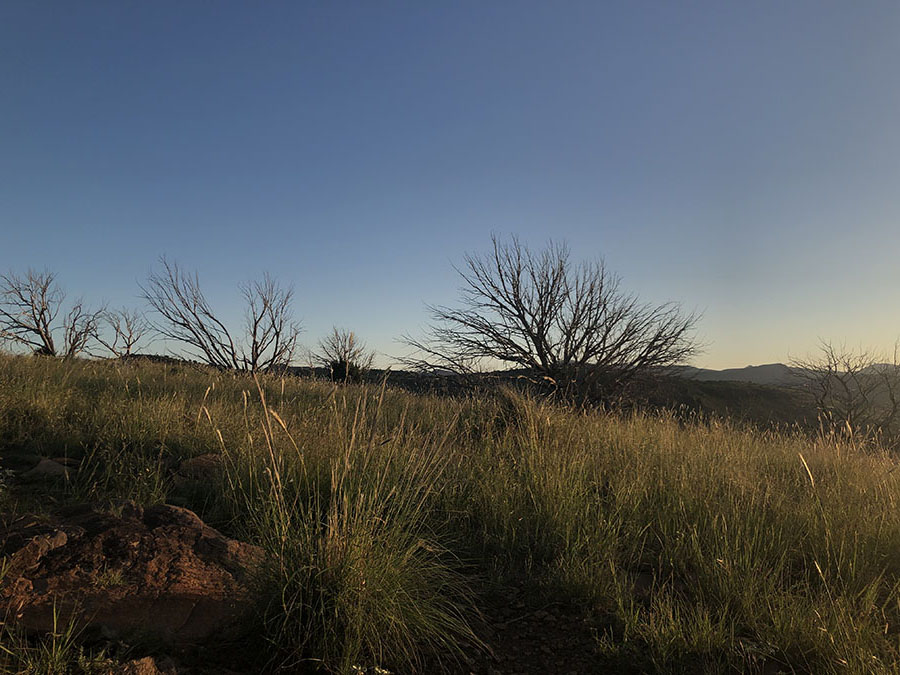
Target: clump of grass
358 573
109 578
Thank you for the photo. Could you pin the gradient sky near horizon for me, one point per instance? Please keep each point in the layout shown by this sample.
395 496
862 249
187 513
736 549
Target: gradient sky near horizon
742 158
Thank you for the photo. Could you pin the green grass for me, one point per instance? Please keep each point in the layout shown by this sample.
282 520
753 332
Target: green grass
57 653
387 516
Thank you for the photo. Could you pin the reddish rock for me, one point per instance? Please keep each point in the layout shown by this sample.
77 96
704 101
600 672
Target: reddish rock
158 570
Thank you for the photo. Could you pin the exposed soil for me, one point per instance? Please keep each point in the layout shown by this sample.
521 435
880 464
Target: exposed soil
524 638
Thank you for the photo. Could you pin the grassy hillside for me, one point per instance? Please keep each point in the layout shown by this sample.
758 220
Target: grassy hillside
393 522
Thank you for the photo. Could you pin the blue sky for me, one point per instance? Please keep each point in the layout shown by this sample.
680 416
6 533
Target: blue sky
742 158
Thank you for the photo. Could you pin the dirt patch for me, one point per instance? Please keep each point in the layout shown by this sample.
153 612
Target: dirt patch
523 635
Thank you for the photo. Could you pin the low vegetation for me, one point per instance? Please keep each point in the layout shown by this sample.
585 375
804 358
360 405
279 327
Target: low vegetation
392 522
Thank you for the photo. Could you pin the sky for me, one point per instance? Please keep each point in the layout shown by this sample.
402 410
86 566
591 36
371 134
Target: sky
740 158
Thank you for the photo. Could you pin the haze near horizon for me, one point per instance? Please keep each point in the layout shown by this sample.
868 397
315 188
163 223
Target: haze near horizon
742 160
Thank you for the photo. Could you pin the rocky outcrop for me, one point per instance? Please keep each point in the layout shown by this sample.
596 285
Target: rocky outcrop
158 571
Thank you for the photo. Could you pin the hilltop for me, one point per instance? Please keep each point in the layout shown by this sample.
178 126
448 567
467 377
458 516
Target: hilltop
301 526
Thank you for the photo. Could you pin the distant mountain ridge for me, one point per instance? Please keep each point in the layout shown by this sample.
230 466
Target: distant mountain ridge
772 374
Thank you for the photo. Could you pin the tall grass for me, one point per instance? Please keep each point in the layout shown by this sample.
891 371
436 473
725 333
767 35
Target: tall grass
357 572
688 546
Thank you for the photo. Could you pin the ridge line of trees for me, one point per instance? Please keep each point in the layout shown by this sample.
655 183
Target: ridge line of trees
571 325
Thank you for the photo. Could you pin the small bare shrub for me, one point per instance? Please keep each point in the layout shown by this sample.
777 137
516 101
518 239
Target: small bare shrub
345 355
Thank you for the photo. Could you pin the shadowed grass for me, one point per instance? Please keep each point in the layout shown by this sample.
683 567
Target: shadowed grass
57 653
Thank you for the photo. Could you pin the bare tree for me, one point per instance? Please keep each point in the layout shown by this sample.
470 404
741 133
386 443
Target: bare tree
126 328
570 324
855 392
271 334
79 328
345 355
29 306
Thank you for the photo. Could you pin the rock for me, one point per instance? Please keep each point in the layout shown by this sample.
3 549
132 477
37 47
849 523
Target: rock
202 467
146 666
46 468
159 571
66 461
20 461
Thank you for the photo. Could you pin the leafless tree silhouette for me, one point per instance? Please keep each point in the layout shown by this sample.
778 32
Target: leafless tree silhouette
571 324
126 328
272 333
270 336
346 356
79 328
29 307
855 392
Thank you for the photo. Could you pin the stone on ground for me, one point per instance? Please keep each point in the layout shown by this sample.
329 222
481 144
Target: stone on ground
157 571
